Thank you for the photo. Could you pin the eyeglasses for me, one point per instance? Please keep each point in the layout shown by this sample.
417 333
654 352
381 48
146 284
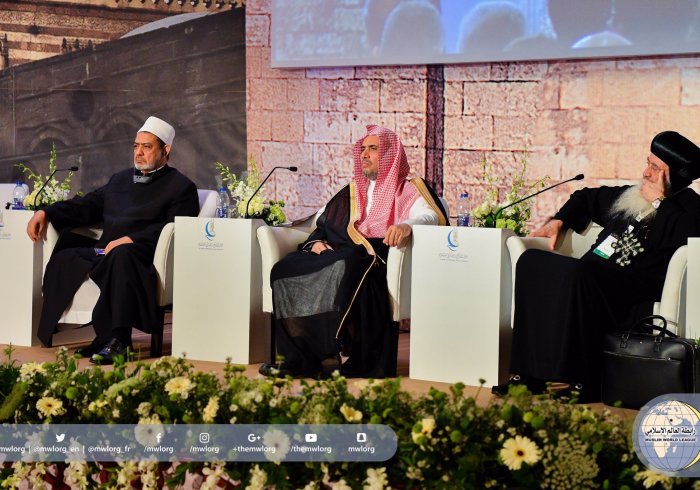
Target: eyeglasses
654 167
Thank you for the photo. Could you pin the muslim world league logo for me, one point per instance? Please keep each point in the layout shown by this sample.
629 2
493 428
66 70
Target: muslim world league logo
209 231
452 239
667 435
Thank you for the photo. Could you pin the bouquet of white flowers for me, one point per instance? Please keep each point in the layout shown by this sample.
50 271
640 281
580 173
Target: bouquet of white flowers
242 189
54 191
491 213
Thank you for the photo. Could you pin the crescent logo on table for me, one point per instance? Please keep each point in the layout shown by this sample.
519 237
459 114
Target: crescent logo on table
452 239
209 231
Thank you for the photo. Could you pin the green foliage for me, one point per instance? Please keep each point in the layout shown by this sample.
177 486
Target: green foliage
56 190
446 440
489 213
241 191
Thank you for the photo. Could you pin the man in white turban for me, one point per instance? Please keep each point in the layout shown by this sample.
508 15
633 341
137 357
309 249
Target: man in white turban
133 207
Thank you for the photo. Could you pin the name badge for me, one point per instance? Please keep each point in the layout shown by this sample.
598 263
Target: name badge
606 248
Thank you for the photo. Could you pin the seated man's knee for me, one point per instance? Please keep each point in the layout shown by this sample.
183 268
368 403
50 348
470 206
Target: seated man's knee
123 253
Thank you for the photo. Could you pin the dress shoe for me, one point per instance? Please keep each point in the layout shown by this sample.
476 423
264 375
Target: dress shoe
275 370
579 393
89 350
329 366
107 354
535 386
349 370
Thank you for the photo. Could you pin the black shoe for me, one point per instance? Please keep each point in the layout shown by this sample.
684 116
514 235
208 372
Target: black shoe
275 370
112 349
535 386
89 350
578 393
349 370
329 366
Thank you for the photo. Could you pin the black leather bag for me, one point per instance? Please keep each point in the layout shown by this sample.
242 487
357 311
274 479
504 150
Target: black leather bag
638 366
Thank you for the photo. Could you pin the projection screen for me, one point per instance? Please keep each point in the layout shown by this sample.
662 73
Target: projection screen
388 32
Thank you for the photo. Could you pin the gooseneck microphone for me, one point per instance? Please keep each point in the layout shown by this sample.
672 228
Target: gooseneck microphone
492 217
70 169
291 169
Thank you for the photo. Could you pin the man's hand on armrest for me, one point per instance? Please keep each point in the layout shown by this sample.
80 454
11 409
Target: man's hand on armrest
397 235
115 243
320 247
36 228
550 231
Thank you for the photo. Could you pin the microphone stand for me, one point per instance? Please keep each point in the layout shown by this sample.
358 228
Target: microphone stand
41 189
492 217
293 169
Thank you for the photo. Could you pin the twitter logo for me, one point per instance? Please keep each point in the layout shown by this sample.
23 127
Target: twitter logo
60 437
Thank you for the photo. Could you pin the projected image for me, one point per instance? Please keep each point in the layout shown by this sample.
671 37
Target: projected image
382 32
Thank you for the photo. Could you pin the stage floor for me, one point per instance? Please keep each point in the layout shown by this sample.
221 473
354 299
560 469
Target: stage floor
141 343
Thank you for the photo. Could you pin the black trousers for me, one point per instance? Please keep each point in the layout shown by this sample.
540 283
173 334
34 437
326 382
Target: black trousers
127 281
562 308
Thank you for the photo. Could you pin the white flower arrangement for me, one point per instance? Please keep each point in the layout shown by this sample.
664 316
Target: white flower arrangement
241 191
491 213
55 191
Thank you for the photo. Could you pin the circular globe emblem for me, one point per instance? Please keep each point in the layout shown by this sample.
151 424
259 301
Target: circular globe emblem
667 436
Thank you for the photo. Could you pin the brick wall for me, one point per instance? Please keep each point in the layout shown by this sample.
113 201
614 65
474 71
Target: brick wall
592 117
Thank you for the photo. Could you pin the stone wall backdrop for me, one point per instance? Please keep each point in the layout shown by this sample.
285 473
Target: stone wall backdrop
32 30
568 117
595 117
91 102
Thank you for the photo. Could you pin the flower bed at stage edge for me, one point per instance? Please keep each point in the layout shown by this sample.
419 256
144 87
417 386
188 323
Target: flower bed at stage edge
445 439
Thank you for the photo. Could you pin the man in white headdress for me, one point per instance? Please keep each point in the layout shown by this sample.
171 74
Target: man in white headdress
133 207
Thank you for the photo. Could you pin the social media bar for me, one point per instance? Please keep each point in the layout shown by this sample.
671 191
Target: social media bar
202 442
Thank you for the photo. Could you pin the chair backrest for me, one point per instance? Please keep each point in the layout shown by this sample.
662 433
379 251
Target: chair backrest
207 203
443 201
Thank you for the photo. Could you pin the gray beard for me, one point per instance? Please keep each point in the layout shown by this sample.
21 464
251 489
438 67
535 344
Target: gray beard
369 174
631 204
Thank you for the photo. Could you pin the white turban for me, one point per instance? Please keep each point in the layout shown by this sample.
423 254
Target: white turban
160 128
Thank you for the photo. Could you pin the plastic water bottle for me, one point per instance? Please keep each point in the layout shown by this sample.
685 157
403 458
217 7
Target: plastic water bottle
463 209
222 203
18 195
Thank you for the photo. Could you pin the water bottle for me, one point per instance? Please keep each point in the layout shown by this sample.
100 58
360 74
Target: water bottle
463 209
18 196
222 203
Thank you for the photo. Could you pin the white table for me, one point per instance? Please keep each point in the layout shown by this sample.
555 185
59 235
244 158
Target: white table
461 292
21 263
217 292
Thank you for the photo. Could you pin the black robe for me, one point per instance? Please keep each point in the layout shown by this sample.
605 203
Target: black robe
564 305
126 276
338 300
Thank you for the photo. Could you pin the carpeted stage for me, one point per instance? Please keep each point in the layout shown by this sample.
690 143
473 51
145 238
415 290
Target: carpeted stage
141 343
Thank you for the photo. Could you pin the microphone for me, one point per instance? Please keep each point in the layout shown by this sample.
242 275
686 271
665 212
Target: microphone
291 169
491 219
74 168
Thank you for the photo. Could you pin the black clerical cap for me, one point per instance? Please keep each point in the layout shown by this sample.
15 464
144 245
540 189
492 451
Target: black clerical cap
680 154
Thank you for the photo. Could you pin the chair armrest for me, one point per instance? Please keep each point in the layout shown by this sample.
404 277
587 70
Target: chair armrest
673 294
398 276
275 243
51 240
518 245
163 261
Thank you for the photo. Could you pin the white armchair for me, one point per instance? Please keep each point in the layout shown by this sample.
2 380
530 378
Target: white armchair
671 305
277 242
79 312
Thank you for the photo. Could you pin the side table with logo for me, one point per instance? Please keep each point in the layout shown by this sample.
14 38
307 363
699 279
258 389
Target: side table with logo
217 291
21 263
461 290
